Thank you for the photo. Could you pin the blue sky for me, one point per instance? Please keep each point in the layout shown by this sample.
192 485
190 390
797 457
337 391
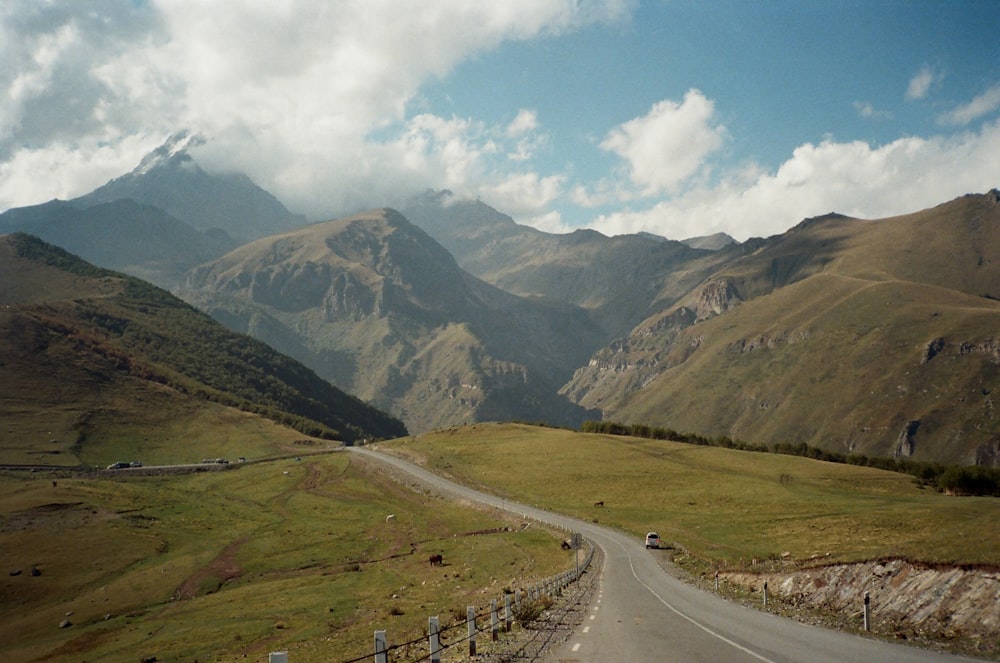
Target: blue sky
677 118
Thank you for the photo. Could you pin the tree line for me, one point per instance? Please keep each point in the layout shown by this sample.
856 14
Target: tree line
974 480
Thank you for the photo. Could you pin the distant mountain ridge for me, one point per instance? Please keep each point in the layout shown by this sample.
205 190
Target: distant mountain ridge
168 178
159 220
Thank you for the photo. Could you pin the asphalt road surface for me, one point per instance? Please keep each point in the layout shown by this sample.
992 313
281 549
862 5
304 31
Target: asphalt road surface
642 613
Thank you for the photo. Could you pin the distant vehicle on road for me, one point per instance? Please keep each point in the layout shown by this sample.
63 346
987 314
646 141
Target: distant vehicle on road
120 465
653 540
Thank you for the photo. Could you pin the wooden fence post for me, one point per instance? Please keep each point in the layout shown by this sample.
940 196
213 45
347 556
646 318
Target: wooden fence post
470 615
765 595
381 655
494 621
508 614
868 612
277 657
434 639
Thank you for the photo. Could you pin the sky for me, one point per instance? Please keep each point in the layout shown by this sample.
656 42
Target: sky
679 118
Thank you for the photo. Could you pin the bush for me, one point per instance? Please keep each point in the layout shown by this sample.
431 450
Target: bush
529 611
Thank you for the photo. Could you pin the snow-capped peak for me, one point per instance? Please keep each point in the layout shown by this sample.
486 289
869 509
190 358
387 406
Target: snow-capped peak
175 145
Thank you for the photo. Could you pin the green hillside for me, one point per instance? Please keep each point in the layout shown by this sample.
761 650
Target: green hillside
870 337
227 566
97 364
725 507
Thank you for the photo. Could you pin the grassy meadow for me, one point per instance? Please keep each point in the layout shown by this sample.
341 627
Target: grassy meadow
290 554
724 507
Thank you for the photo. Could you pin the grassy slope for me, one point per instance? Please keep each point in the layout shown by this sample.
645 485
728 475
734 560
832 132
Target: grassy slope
87 345
829 345
761 387
221 565
725 507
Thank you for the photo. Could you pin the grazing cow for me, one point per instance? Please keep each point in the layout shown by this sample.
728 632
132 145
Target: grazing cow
436 560
601 503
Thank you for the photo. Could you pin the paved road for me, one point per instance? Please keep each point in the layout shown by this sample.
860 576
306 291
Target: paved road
642 613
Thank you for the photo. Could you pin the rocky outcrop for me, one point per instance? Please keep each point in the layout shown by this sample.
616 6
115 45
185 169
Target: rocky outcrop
907 600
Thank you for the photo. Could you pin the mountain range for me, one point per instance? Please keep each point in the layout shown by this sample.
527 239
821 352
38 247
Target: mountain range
875 337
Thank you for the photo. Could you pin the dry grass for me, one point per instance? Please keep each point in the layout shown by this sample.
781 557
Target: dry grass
725 507
293 555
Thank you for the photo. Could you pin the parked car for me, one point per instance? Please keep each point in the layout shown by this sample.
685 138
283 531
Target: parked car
653 540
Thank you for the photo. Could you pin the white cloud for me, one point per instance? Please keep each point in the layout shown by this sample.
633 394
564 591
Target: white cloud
865 109
852 178
983 104
525 122
667 146
921 83
290 92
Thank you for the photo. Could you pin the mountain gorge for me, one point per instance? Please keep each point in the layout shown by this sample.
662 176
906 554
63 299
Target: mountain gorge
378 307
874 337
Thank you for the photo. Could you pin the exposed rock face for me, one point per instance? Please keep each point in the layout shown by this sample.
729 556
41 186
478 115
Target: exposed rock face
715 298
906 599
907 440
988 454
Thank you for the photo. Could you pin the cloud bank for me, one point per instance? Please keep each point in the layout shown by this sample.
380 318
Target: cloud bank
320 103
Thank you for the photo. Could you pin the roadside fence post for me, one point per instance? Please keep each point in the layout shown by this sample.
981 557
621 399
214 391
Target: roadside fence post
765 595
277 657
508 614
470 615
434 639
381 655
868 612
494 621
717 581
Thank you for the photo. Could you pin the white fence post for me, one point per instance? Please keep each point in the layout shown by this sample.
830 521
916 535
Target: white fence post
277 657
494 621
381 655
435 639
470 615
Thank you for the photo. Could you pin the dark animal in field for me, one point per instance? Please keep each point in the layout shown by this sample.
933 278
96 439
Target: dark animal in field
601 503
566 545
436 560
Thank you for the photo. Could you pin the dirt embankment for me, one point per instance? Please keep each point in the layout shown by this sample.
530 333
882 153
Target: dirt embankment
956 607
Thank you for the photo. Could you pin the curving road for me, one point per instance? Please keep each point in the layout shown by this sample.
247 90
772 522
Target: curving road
642 613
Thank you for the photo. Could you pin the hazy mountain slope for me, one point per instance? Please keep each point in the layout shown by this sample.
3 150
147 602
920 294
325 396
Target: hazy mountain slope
122 235
168 178
876 337
85 350
615 278
381 309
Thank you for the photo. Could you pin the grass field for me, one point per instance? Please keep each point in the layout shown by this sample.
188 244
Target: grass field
298 555
291 555
725 507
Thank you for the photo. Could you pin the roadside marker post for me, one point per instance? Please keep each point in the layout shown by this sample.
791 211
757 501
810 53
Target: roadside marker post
381 653
435 639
